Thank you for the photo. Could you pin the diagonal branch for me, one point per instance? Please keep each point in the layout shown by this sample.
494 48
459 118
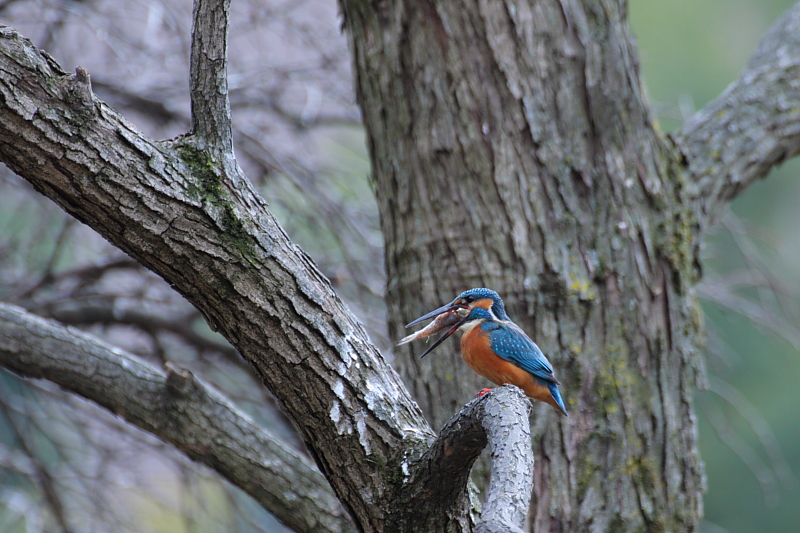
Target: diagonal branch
200 225
177 408
184 210
102 310
753 126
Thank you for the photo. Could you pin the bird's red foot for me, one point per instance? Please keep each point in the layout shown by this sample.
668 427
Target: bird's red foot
482 392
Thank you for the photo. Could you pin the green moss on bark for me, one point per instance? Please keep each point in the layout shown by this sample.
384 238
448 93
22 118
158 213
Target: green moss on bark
678 243
208 188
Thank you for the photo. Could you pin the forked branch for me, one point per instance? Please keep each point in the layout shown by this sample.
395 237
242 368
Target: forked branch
178 408
440 479
200 226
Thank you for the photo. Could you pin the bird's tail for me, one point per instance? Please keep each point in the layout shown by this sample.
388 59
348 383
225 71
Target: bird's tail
557 397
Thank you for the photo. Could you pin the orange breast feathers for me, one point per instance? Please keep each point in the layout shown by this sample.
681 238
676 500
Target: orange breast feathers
476 349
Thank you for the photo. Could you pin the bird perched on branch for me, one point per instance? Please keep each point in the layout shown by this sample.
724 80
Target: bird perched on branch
492 345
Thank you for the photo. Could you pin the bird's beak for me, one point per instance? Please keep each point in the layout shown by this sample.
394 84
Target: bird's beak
440 323
443 338
454 319
435 312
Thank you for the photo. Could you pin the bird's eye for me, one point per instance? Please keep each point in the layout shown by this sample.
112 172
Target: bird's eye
469 299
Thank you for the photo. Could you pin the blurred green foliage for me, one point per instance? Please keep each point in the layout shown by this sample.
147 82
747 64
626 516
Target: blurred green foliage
690 50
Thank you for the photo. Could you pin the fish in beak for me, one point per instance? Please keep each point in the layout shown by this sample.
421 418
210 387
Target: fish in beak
449 317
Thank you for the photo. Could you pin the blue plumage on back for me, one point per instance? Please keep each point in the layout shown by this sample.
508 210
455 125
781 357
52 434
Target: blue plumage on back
511 343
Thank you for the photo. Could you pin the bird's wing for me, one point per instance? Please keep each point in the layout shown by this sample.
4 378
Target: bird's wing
511 343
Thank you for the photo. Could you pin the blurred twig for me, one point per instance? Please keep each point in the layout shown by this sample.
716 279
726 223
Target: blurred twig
749 457
760 427
758 292
41 474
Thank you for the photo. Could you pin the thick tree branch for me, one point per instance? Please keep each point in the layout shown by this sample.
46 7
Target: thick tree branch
440 479
178 408
211 108
199 224
511 482
753 126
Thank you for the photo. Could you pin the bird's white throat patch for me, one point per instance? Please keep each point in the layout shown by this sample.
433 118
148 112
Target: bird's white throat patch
466 328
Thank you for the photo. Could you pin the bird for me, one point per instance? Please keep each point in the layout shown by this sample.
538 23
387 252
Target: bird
492 345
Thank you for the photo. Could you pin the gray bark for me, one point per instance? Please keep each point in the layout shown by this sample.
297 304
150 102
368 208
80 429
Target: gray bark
211 108
177 408
512 148
183 209
174 209
438 486
751 127
512 466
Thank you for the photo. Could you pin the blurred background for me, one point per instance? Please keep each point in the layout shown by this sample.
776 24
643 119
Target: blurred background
66 465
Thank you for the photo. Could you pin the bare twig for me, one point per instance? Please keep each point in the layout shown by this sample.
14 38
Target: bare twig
82 276
44 479
759 426
155 109
755 259
15 461
58 248
717 292
749 457
103 310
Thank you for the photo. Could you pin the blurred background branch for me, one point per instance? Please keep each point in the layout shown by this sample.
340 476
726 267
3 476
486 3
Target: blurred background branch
174 406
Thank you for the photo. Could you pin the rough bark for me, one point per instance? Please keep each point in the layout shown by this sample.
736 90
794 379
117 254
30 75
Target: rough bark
208 73
438 486
177 408
512 466
512 148
188 214
178 211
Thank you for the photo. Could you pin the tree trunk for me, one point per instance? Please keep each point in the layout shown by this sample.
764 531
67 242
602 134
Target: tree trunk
512 148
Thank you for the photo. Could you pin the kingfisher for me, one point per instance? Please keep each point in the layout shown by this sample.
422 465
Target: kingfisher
492 345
